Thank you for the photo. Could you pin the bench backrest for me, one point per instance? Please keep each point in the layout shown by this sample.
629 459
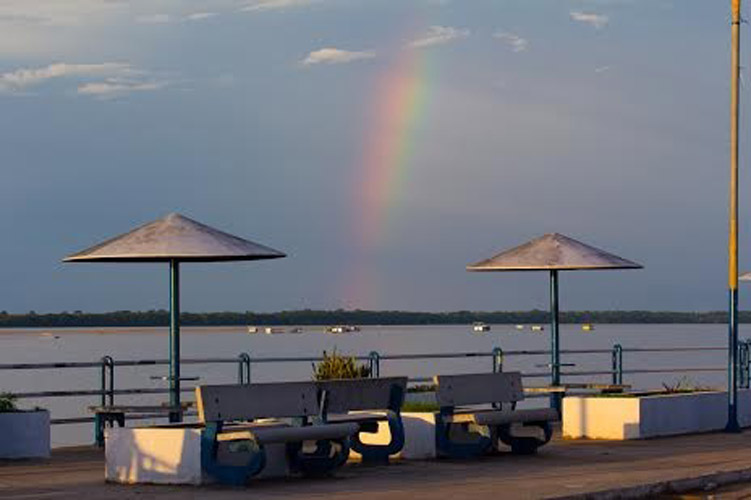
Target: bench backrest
364 394
479 388
250 401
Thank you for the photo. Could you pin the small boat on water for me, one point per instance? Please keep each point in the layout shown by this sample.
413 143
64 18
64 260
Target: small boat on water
253 329
537 328
273 329
520 327
343 329
588 327
296 329
480 327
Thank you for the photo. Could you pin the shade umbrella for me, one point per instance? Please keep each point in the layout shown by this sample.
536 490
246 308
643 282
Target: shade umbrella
174 239
553 252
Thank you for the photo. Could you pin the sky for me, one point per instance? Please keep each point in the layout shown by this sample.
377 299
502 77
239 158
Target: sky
382 144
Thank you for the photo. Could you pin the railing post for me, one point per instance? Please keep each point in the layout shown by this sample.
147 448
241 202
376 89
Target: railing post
374 363
107 374
243 368
617 364
743 364
497 360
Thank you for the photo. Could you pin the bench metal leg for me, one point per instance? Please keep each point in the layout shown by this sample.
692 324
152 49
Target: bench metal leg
380 453
228 474
523 445
101 420
473 440
328 456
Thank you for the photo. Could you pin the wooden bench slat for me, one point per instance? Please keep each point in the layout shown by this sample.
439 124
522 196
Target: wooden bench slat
246 402
361 394
271 434
479 388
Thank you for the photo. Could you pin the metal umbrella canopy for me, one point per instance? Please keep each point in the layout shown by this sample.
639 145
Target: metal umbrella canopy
553 252
174 239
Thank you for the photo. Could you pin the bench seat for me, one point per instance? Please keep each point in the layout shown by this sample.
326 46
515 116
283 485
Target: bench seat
466 427
287 413
283 433
499 417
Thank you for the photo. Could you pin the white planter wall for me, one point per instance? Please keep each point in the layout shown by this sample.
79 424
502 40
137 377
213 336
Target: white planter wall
169 455
25 434
650 416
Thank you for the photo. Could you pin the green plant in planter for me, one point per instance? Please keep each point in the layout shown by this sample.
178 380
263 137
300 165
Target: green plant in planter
336 366
7 402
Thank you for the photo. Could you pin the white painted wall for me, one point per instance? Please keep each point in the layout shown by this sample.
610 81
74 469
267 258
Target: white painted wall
650 416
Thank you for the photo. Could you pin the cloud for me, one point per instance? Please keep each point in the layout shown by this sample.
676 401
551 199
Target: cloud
111 78
517 43
167 19
22 78
599 21
199 16
438 35
114 87
265 5
331 55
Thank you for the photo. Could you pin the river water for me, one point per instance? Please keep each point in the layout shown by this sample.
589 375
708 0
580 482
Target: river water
77 344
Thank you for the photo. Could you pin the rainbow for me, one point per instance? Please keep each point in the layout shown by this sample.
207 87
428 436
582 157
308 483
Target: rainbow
401 94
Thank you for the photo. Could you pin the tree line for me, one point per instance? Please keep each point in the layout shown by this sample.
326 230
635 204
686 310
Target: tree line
160 317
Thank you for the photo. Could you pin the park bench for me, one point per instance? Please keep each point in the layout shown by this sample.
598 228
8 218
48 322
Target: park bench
256 415
478 413
367 402
116 414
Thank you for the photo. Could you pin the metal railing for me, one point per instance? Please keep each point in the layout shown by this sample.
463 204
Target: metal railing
244 362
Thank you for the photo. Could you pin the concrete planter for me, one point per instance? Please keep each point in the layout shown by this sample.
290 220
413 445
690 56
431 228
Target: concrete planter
25 434
168 455
649 416
419 436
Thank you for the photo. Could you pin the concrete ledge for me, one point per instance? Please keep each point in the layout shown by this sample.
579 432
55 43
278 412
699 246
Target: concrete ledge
172 455
639 417
707 482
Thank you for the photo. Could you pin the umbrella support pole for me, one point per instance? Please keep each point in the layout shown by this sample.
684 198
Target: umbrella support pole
732 423
555 353
174 340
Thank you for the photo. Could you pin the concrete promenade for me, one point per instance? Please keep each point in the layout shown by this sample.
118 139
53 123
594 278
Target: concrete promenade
561 469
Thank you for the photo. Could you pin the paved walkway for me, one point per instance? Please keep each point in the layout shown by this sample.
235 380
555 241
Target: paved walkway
563 468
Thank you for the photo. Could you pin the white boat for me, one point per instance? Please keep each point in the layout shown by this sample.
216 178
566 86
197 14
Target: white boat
537 328
520 327
273 329
480 327
253 329
343 329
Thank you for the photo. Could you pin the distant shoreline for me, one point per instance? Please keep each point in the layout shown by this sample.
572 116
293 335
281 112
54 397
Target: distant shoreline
156 318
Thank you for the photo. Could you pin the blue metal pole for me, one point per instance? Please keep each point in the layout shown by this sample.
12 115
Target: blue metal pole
732 423
555 353
174 340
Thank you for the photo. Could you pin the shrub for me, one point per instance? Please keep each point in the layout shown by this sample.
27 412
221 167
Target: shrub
336 366
7 402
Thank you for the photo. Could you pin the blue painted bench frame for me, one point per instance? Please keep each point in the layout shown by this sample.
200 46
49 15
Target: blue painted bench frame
219 406
377 394
485 429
